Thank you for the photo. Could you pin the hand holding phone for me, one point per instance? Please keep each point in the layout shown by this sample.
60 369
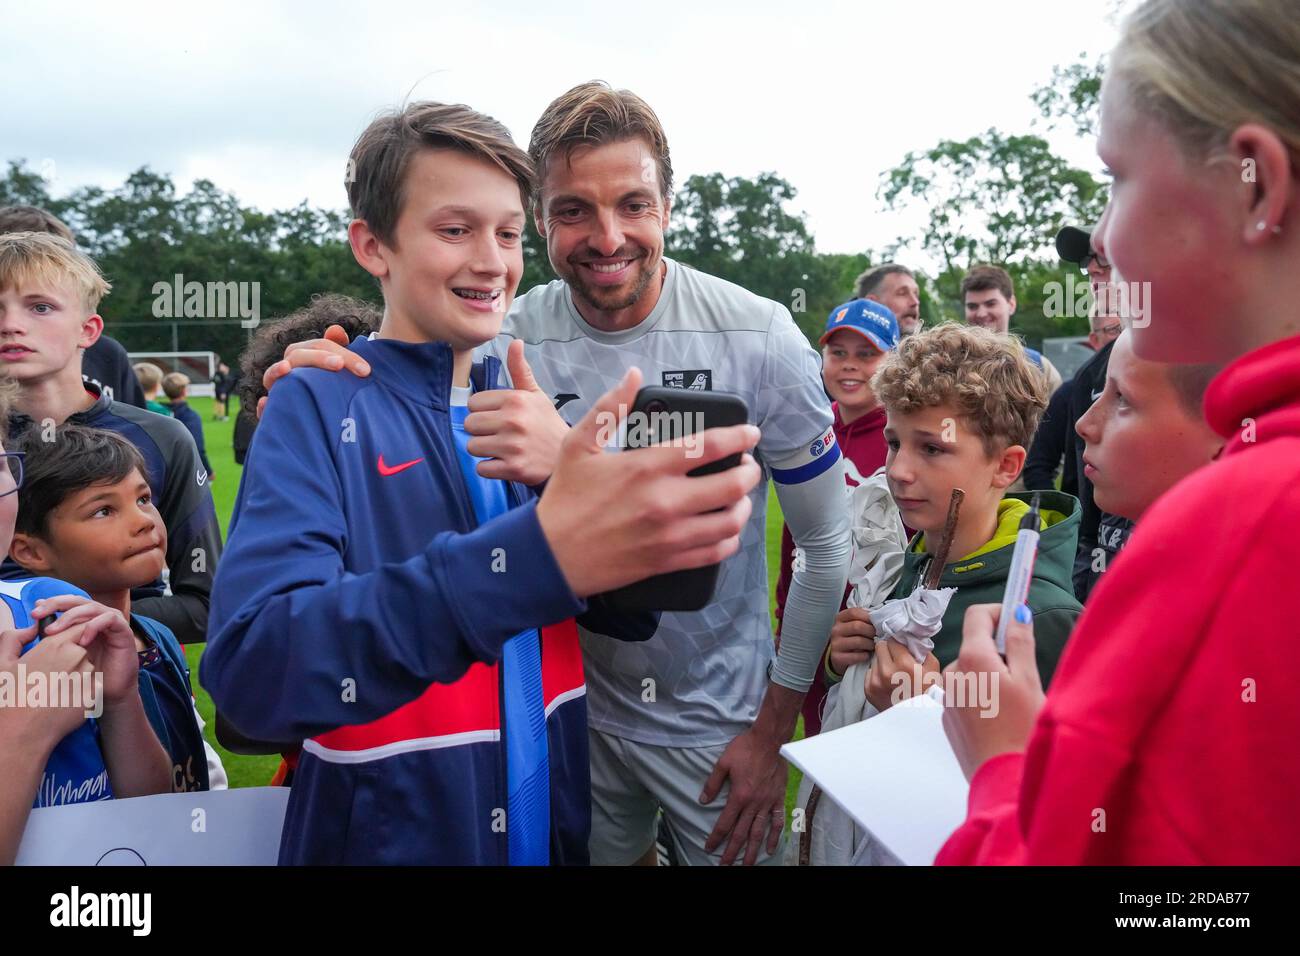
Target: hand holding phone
676 416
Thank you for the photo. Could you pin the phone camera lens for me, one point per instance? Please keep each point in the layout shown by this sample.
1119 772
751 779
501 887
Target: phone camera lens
657 406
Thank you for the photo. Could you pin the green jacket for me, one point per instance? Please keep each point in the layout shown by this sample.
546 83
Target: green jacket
981 577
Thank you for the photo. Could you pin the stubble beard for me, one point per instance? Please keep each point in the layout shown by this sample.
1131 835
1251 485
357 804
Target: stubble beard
612 299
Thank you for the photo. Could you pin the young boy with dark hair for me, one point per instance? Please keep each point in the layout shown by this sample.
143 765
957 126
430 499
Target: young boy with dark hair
86 516
49 293
406 617
176 386
349 319
51 752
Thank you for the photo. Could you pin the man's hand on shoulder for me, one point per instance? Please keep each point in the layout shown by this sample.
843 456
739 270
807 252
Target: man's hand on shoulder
330 353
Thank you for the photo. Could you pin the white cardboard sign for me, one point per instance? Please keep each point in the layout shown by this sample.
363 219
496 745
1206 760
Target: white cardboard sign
213 828
895 774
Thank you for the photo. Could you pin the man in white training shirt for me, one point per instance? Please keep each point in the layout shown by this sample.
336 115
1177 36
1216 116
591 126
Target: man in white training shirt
701 708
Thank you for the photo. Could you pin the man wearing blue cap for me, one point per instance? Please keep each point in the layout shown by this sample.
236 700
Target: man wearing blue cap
857 336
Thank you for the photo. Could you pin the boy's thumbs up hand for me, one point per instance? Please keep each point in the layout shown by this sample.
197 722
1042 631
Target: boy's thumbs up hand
521 375
612 519
517 428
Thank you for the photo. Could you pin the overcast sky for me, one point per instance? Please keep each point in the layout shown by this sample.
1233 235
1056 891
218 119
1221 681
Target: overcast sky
266 98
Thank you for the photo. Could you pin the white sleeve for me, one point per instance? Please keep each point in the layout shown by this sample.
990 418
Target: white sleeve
799 447
816 513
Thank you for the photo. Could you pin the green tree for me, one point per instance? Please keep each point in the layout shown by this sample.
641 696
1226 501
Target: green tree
991 198
1001 198
1073 95
743 230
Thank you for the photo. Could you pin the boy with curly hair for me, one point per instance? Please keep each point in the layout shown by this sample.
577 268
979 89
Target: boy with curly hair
962 405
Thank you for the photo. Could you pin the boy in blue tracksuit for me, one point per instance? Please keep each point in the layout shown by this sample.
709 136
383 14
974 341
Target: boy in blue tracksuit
404 617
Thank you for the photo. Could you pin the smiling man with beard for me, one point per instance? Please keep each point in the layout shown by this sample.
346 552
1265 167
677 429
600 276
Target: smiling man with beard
701 709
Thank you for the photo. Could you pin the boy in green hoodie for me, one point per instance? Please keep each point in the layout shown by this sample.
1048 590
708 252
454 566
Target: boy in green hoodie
962 406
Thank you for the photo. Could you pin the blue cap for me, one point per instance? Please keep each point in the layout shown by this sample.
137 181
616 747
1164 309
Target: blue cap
866 317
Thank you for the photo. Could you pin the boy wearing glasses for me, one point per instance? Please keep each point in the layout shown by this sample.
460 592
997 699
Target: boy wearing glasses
1054 443
49 294
1074 245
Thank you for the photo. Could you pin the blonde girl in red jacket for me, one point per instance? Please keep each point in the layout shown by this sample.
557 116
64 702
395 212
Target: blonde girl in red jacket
1169 734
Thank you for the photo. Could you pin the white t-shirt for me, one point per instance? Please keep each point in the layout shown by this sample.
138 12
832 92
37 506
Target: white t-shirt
699 681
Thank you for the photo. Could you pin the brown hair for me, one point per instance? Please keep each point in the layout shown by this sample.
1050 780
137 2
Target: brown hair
982 278
376 180
594 114
871 280
42 257
985 376
78 457
32 219
1189 383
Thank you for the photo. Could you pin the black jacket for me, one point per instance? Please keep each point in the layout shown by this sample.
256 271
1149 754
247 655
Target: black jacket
1051 444
188 417
107 366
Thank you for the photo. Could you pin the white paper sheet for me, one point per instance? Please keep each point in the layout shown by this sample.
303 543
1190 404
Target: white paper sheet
216 828
895 774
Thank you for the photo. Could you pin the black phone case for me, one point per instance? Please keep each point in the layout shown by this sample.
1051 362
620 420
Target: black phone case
691 589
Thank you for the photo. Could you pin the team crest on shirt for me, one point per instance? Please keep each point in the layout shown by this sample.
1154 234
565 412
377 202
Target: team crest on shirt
694 379
822 444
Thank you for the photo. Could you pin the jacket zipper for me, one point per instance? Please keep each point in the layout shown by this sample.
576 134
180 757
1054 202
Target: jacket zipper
491 368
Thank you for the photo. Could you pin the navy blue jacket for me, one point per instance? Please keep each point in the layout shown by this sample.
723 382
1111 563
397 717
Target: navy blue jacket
360 608
188 417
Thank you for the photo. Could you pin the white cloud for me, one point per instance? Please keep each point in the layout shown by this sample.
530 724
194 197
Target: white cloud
265 99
